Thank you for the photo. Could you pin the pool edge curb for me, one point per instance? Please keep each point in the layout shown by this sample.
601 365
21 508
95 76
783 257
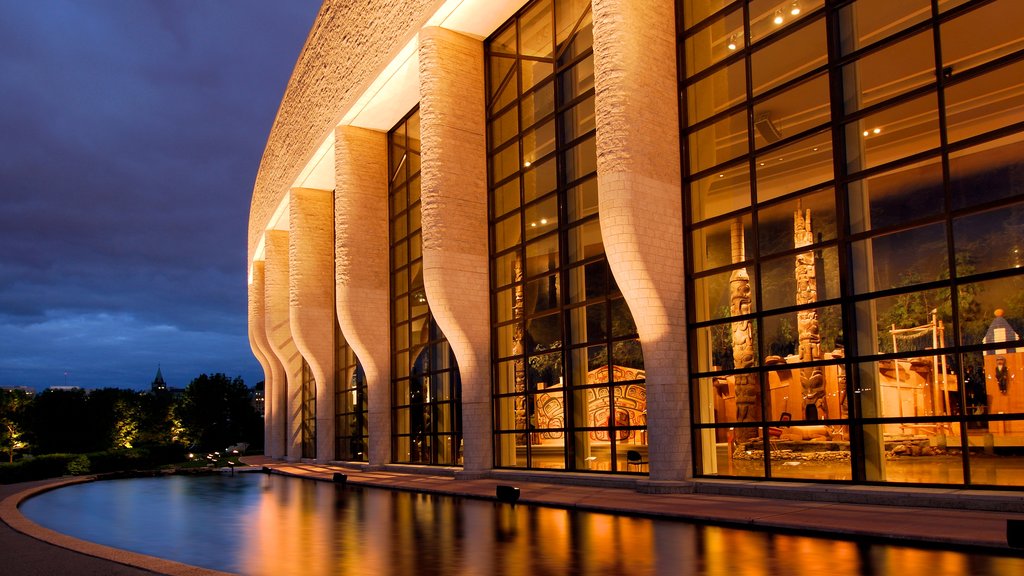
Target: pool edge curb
11 515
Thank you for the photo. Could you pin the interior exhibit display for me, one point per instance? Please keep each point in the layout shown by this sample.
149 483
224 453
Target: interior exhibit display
854 199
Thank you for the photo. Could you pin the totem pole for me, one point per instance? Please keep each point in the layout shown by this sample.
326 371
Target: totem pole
748 386
519 366
812 380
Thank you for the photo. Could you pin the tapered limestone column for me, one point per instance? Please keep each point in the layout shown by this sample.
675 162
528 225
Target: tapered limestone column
261 349
639 192
454 201
362 270
311 305
287 396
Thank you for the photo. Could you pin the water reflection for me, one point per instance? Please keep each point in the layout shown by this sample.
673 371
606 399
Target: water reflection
256 524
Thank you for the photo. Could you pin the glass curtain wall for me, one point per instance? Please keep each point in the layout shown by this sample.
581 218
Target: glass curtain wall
350 406
308 416
426 391
569 387
854 192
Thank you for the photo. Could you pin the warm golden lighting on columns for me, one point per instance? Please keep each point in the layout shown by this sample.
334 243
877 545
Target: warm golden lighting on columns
454 196
362 270
641 207
311 292
287 396
261 347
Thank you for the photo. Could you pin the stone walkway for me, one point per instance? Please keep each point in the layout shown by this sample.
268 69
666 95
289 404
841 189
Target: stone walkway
29 549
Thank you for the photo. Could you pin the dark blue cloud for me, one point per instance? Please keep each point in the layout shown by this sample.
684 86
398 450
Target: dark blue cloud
130 136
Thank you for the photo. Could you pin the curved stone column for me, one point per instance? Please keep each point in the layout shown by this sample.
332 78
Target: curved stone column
261 350
288 395
640 201
311 304
362 270
454 205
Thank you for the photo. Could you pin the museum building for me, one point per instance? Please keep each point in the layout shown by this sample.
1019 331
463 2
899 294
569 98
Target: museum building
649 241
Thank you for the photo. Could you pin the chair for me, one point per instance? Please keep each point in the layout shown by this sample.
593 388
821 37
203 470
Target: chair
634 458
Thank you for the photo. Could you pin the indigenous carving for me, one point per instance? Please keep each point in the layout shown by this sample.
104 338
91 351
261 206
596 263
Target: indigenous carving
519 366
747 386
812 380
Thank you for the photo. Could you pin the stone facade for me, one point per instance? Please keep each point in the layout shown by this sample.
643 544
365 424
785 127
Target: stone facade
285 393
362 270
311 300
641 208
454 204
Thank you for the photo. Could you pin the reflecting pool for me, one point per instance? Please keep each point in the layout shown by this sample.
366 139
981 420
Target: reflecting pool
259 524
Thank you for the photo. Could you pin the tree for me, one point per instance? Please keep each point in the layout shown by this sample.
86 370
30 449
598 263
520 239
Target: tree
13 404
58 421
215 411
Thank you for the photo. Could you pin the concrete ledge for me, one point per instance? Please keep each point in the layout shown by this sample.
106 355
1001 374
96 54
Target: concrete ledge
663 487
941 498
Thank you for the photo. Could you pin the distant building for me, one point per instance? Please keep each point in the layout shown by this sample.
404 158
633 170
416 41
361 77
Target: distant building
257 398
159 385
28 390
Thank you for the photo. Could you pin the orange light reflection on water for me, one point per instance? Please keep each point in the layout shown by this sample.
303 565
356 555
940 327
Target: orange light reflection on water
313 528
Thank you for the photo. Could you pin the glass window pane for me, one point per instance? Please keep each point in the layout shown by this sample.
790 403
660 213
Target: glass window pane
991 312
581 201
507 269
779 278
694 12
989 241
712 245
988 102
795 110
987 172
541 217
893 133
542 256
536 36
770 16
578 120
868 21
897 196
507 232
792 56
815 213
714 294
543 333
539 179
900 259
577 80
505 197
585 241
581 160
719 91
719 142
505 163
982 35
795 166
538 142
534 72
505 126
903 322
720 193
499 69
711 43
889 72
542 295
538 104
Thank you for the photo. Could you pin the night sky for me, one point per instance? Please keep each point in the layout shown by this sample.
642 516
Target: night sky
130 136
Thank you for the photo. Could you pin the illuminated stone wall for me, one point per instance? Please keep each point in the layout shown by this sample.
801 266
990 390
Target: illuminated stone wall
641 207
454 208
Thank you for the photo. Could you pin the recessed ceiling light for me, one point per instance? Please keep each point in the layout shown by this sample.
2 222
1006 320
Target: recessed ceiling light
795 9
